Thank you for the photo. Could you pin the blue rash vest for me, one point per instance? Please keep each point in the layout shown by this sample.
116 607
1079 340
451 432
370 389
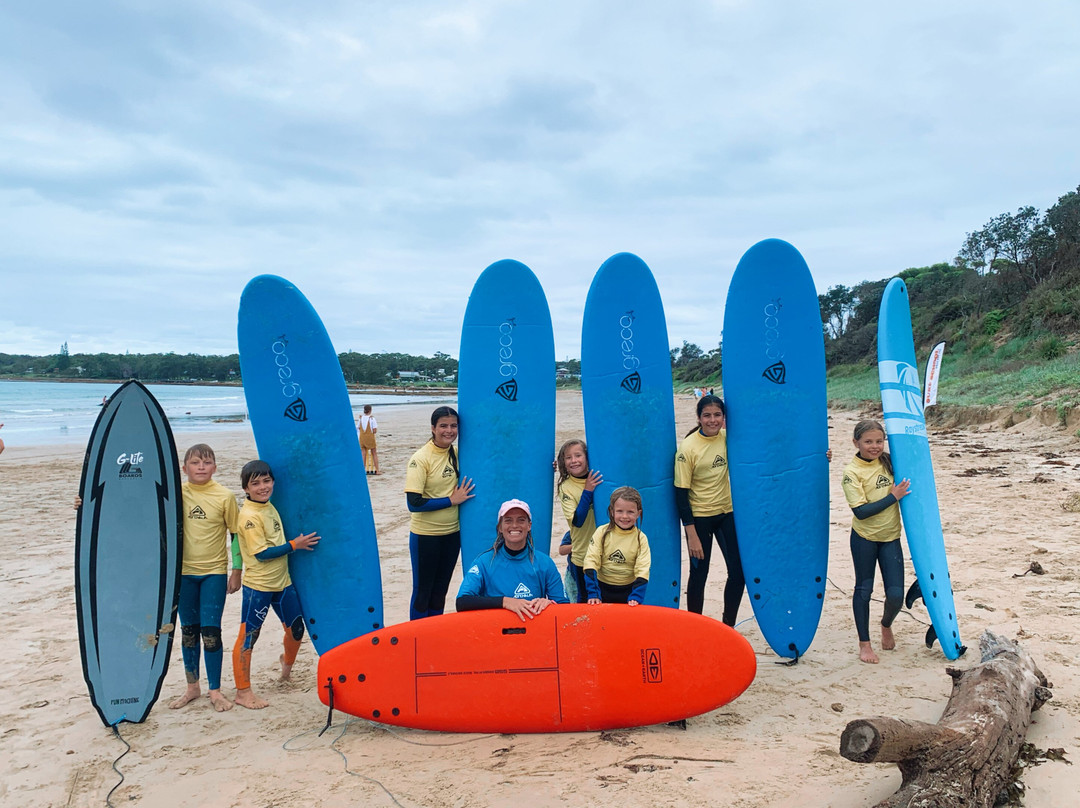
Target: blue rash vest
498 573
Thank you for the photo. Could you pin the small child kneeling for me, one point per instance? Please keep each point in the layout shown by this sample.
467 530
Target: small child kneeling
618 559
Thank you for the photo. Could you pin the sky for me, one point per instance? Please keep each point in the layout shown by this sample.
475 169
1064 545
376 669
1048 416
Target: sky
154 157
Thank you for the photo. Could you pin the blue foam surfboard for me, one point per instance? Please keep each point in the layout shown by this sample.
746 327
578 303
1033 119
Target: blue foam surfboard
506 402
128 545
905 424
777 439
630 409
302 419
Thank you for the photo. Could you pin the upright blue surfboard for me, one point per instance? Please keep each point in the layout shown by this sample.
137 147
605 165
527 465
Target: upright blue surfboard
905 423
506 402
128 545
777 439
302 419
630 409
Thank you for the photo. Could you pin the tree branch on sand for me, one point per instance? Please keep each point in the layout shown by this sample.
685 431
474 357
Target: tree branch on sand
966 759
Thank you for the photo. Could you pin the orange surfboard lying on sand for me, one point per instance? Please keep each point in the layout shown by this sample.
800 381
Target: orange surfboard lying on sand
573 668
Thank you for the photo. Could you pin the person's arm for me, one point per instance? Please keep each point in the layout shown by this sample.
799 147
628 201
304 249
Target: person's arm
581 512
472 603
553 585
592 586
637 592
305 541
235 580
418 503
868 509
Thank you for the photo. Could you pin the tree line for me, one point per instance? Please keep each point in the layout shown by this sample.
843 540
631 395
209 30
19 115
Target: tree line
357 368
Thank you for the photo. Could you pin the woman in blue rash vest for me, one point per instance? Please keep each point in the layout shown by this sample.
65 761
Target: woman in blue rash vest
703 499
511 575
872 493
433 493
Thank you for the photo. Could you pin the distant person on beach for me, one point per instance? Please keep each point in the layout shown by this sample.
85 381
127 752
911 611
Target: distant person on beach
618 561
434 489
511 575
575 490
703 499
104 400
872 494
210 518
267 584
1 441
367 429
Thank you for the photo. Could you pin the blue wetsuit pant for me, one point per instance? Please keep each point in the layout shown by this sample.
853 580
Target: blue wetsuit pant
888 555
722 527
579 578
433 562
202 600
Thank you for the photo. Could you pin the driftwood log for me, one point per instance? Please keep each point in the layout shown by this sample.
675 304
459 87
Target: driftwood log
966 759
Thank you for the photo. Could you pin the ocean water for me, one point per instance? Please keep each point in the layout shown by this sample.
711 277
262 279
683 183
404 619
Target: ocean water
39 413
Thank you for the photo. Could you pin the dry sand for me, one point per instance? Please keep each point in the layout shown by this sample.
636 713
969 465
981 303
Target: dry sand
1001 492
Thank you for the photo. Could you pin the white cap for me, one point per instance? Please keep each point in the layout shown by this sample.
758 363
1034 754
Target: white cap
510 504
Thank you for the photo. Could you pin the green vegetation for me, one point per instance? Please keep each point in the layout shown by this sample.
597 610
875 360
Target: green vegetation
363 369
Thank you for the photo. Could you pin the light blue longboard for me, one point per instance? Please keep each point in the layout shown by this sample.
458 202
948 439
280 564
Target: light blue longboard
630 409
902 403
128 546
777 439
506 401
302 419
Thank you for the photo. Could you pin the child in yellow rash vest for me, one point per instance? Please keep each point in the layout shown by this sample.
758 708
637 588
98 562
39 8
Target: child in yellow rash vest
618 559
267 584
575 488
210 517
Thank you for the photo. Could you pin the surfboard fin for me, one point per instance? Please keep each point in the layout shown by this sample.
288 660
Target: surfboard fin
931 637
330 713
914 593
787 663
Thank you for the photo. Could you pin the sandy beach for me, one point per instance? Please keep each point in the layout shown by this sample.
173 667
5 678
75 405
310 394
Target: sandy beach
1003 492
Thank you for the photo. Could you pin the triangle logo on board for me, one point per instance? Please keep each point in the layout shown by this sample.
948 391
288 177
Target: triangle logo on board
508 390
632 383
297 411
777 374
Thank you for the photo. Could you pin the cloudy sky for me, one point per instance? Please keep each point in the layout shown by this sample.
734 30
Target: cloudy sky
156 156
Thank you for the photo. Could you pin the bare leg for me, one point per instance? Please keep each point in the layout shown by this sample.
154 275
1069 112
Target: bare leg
246 697
888 642
286 669
866 653
189 696
221 704
375 458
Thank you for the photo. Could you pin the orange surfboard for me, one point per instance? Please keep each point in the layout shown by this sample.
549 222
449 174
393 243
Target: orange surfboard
573 668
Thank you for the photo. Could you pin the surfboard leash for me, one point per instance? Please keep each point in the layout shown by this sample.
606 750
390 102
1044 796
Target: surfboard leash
333 745
127 748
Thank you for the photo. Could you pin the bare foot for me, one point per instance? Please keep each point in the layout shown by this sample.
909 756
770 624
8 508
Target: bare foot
888 642
866 653
286 669
189 696
247 698
221 704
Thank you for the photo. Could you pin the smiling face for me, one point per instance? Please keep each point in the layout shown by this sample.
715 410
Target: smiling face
445 431
870 444
199 469
259 488
625 513
711 420
577 464
514 527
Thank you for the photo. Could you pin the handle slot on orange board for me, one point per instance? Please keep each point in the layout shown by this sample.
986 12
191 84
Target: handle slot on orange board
520 630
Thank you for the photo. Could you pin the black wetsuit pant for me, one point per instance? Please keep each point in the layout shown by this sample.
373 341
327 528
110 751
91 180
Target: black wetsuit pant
888 555
433 560
722 527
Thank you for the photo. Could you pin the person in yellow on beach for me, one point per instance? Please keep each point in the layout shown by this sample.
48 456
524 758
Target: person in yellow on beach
367 427
210 518
618 559
267 584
